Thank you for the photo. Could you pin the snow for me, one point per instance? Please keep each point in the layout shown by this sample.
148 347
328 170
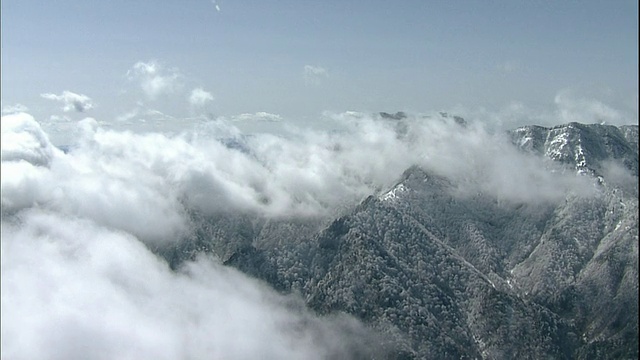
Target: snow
393 193
526 141
557 145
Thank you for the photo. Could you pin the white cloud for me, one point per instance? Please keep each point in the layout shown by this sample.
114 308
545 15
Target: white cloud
24 140
12 109
76 290
306 173
313 75
258 116
85 185
71 101
568 106
79 280
571 107
154 79
200 97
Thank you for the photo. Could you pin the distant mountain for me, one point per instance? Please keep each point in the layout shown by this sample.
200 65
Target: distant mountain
449 276
397 116
584 147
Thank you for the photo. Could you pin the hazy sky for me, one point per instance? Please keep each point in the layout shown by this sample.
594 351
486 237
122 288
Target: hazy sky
296 59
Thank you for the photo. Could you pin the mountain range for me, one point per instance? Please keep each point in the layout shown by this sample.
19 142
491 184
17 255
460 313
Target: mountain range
440 273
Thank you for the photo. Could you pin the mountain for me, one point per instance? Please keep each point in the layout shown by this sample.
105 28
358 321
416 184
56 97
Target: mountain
442 275
584 147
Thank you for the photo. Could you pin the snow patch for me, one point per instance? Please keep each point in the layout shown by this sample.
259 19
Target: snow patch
557 145
393 193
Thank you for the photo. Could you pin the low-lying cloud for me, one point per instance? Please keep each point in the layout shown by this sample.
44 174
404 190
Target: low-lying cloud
569 105
258 116
574 108
24 141
72 289
305 173
79 280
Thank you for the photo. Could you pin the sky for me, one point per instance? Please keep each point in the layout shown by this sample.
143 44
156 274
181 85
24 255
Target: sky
296 60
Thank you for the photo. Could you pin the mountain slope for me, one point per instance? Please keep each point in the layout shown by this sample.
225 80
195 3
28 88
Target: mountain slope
450 275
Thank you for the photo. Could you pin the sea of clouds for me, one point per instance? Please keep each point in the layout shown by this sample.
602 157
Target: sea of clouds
79 280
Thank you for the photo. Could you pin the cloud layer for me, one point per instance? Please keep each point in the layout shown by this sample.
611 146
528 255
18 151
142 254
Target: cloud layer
306 173
258 116
74 290
79 280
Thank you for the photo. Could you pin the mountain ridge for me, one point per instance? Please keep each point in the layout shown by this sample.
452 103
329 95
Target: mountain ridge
475 276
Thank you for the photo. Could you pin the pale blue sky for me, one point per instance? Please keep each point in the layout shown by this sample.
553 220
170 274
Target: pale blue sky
367 55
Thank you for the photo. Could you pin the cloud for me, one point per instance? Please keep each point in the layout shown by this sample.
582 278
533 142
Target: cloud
80 185
305 173
73 289
313 75
571 107
474 159
71 101
619 176
23 140
258 116
11 109
568 106
80 281
200 97
154 79
507 117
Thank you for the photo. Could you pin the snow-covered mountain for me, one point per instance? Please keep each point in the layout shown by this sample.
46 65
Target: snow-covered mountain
582 146
448 275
